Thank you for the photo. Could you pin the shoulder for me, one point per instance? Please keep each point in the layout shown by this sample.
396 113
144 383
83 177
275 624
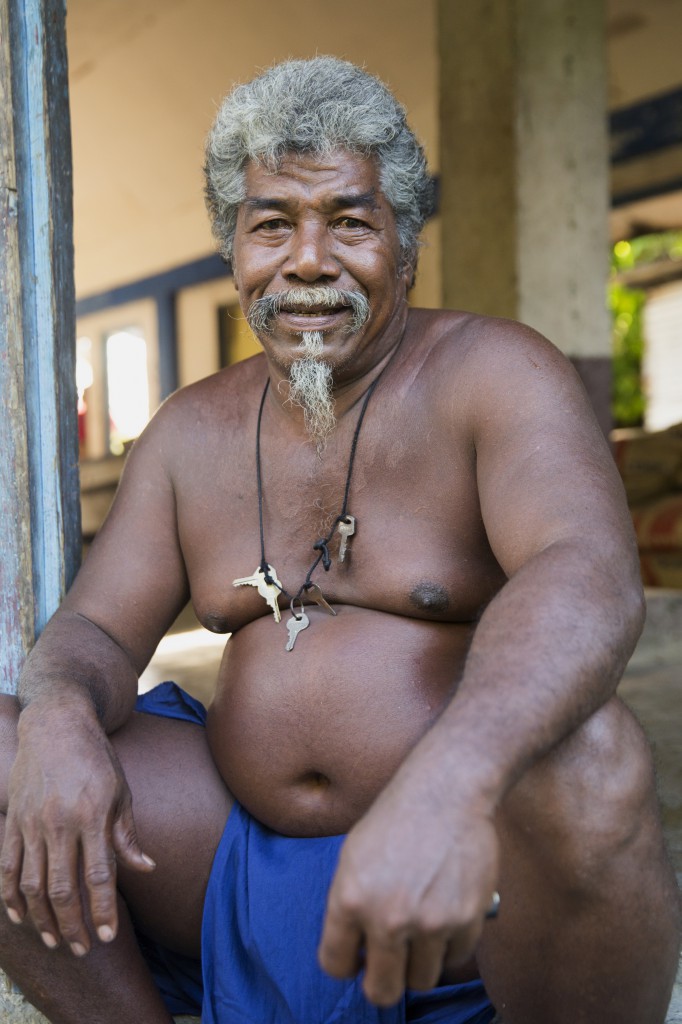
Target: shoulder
209 410
221 394
481 340
485 358
220 398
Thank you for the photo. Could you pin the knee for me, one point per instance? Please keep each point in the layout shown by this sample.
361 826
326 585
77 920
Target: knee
592 800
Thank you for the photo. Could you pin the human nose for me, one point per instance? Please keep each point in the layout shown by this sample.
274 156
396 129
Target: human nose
309 257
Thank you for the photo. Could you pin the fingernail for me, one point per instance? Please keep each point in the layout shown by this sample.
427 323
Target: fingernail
49 940
77 949
148 860
13 916
105 933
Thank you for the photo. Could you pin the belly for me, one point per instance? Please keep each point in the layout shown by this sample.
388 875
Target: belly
305 739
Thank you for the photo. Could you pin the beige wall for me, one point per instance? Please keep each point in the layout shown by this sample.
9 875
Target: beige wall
146 77
644 49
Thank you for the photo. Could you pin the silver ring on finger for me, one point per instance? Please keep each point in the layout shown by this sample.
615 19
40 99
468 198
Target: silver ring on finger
494 908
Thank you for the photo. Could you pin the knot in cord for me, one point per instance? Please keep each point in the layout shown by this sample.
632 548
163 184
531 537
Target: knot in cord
322 546
265 569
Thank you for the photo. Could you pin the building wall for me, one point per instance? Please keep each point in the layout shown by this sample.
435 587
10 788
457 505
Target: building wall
146 77
643 49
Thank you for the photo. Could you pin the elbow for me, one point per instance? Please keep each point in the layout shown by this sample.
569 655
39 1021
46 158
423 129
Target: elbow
639 612
633 605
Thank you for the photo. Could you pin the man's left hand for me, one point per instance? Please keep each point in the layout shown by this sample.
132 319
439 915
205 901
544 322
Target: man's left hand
410 894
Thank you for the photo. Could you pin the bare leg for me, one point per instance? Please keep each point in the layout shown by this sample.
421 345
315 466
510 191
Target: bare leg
180 806
589 925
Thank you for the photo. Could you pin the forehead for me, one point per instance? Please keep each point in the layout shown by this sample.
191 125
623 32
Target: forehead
302 177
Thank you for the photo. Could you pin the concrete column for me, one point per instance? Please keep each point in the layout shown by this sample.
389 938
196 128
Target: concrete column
524 171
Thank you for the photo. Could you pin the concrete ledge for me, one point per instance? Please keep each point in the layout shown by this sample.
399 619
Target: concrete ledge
15 1010
661 640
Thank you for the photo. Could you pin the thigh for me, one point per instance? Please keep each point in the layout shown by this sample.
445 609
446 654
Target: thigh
588 897
180 806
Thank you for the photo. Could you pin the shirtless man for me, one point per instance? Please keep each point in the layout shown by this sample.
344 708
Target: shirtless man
455 716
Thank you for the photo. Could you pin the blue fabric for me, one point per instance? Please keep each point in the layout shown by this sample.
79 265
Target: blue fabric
168 700
262 922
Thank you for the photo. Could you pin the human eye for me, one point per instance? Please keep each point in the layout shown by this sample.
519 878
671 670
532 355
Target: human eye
272 224
352 223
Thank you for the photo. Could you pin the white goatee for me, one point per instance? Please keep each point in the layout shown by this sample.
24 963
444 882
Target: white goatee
310 387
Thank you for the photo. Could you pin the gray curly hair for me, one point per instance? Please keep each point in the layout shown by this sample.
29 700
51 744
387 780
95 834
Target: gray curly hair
316 106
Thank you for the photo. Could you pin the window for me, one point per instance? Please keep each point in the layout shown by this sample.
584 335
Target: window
116 377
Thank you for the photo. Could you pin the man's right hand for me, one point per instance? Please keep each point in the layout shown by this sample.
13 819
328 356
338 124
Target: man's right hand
69 821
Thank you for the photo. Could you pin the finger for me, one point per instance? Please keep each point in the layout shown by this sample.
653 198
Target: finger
99 876
64 890
385 973
340 951
425 962
33 886
10 871
460 947
128 851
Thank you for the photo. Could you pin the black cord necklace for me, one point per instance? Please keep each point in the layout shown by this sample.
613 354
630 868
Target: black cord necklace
265 577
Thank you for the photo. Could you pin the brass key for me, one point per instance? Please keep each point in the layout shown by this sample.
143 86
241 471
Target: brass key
346 528
319 598
269 591
295 625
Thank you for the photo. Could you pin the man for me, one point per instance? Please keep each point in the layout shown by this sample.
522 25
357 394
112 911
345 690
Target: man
425 500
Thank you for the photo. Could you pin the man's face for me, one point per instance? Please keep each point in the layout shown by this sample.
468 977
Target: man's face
321 222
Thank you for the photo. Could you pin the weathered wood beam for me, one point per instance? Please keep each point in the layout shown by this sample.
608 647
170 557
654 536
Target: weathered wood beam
39 509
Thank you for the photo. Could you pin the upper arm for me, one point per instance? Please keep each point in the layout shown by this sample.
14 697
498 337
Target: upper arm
545 473
133 582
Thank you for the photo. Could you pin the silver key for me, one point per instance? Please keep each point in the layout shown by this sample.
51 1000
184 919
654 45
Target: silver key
346 528
269 591
295 625
314 591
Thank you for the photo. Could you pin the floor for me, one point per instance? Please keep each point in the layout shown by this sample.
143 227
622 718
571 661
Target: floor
652 687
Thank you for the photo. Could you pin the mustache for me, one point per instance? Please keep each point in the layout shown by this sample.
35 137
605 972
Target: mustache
262 312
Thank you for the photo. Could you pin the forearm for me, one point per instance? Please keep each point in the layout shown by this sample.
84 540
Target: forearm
547 653
76 666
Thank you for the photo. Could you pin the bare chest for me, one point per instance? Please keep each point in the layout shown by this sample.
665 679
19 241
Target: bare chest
412 542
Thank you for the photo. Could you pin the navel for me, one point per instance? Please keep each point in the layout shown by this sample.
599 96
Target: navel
315 780
430 597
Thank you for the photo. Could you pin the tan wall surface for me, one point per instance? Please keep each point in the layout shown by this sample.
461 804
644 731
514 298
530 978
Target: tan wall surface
146 77
644 40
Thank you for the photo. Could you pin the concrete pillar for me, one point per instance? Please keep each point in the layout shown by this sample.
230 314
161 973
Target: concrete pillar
524 171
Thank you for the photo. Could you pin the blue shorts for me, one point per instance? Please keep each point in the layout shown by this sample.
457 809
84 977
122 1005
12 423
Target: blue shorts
262 922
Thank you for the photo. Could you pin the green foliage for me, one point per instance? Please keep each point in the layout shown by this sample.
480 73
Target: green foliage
665 245
628 400
627 305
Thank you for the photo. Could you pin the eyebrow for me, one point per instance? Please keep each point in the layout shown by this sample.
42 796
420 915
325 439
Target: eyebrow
346 200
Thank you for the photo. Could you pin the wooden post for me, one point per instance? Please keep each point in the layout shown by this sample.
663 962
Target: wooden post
39 494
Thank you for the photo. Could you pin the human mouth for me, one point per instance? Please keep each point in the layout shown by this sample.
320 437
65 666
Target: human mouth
311 319
312 311
317 308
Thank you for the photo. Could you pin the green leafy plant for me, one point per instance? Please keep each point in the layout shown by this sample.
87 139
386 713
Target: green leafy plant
627 305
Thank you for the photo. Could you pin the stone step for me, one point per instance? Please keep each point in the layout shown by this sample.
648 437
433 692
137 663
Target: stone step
15 1010
661 639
